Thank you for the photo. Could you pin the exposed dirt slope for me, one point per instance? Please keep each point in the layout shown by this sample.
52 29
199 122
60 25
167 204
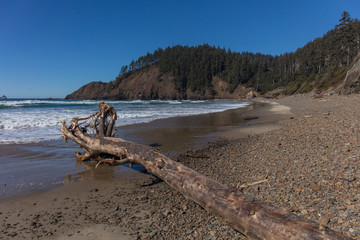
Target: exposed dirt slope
150 83
352 81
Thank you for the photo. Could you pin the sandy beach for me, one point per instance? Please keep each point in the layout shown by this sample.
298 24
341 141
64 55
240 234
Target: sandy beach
307 148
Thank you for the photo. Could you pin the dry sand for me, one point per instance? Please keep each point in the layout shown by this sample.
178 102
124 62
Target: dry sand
308 149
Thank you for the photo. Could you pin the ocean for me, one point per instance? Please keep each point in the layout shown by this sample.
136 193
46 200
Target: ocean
37 120
35 158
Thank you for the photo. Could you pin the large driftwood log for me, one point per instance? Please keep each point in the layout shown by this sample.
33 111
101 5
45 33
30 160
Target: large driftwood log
255 219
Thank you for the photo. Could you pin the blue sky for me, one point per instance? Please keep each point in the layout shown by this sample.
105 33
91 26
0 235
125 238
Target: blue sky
50 48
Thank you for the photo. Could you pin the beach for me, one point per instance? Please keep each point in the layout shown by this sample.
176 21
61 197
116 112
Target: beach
307 148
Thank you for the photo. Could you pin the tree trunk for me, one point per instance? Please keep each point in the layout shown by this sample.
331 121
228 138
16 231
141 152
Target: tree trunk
254 218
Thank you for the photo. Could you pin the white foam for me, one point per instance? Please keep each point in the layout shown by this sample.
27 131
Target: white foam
24 103
26 124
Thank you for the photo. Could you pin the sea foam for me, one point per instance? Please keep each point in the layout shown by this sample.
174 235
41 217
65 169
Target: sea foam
34 120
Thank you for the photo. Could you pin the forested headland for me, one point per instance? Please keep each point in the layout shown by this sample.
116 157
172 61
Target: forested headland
321 64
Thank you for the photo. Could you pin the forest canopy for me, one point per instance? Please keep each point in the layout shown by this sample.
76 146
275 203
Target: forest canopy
319 64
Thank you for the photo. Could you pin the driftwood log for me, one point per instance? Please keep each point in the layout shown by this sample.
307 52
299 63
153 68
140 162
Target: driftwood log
255 219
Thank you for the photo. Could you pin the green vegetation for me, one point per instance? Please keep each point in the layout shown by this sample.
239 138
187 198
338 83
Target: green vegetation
319 64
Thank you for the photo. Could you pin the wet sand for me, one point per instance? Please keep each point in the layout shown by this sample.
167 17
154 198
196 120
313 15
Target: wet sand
27 168
179 134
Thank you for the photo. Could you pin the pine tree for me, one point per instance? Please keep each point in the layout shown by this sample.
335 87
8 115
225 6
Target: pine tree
345 38
344 20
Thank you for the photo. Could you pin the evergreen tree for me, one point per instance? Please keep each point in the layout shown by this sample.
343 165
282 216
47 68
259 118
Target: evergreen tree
316 64
345 38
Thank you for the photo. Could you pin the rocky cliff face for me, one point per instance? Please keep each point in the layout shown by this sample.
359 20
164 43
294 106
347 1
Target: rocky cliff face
147 84
151 84
93 90
352 81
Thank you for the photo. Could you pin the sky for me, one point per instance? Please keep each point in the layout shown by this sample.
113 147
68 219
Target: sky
50 48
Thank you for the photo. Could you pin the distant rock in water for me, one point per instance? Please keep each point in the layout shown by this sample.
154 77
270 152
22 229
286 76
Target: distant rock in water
351 83
150 83
3 97
52 99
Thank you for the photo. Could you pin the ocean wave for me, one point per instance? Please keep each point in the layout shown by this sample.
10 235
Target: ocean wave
40 103
4 107
34 123
44 103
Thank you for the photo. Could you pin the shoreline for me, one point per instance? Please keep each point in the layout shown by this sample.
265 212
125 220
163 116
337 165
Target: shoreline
36 167
72 200
63 207
309 156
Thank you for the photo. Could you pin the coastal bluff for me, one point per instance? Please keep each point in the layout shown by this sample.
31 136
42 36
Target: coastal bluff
150 83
